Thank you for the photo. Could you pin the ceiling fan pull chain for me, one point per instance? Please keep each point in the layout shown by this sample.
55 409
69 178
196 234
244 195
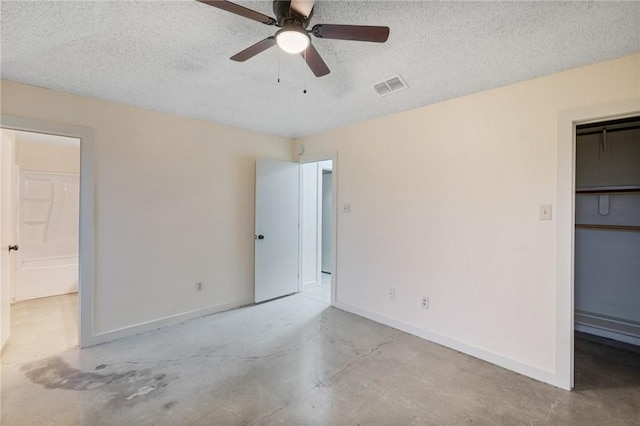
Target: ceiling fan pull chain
304 89
278 49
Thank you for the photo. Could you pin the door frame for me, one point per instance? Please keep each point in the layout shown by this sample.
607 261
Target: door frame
565 225
86 214
302 224
314 158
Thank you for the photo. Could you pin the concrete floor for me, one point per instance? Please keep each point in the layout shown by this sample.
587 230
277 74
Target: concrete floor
298 361
41 328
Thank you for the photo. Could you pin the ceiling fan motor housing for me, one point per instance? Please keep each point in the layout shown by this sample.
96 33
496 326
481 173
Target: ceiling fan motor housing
287 17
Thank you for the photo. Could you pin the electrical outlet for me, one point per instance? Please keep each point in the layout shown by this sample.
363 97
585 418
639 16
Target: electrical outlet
424 302
346 208
199 286
392 293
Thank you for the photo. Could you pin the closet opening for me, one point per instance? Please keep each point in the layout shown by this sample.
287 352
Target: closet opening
607 255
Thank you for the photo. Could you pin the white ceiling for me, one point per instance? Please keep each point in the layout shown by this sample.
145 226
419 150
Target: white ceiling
174 56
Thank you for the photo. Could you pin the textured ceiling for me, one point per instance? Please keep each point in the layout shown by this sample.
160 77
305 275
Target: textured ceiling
174 56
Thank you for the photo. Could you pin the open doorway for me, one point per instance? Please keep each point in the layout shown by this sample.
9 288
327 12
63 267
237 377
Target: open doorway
317 230
42 267
607 254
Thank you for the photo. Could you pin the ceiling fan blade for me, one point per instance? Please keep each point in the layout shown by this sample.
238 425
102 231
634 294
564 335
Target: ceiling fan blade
315 62
240 10
252 51
302 7
351 32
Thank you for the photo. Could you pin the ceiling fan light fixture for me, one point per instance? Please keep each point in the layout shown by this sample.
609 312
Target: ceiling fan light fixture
293 39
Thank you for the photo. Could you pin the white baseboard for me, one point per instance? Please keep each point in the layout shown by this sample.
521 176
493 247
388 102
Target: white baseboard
163 322
607 334
310 284
36 282
607 328
483 354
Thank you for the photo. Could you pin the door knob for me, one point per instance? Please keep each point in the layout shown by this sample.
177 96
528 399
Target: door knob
261 237
14 247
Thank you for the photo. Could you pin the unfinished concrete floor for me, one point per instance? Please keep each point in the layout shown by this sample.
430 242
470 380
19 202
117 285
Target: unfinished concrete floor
298 361
41 328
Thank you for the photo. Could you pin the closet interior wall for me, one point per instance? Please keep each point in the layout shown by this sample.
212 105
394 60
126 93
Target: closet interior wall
607 238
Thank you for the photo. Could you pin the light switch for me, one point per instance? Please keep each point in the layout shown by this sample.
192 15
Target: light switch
545 212
346 208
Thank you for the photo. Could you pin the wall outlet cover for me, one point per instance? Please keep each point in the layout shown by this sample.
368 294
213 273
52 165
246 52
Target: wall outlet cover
545 212
424 302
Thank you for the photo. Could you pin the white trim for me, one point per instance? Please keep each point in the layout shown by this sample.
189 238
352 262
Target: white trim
607 334
143 327
318 223
310 284
302 286
300 228
565 225
545 376
613 328
87 203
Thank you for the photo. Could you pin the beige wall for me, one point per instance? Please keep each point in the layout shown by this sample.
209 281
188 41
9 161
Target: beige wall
174 205
445 203
42 156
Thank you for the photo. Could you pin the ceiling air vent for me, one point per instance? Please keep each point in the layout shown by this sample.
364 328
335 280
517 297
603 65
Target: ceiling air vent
387 87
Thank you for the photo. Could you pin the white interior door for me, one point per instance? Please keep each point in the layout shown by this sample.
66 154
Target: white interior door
6 233
276 244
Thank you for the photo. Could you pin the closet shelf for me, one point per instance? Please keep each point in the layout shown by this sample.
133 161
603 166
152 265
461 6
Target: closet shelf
612 227
607 189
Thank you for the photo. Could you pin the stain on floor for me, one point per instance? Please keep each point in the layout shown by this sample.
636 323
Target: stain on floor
127 388
55 373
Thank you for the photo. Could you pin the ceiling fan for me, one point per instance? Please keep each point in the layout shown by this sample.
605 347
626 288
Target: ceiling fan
292 17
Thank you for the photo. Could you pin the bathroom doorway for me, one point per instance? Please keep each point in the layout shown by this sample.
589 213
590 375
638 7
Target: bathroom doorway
43 272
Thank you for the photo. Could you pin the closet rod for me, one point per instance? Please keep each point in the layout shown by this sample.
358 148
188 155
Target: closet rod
610 128
613 227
